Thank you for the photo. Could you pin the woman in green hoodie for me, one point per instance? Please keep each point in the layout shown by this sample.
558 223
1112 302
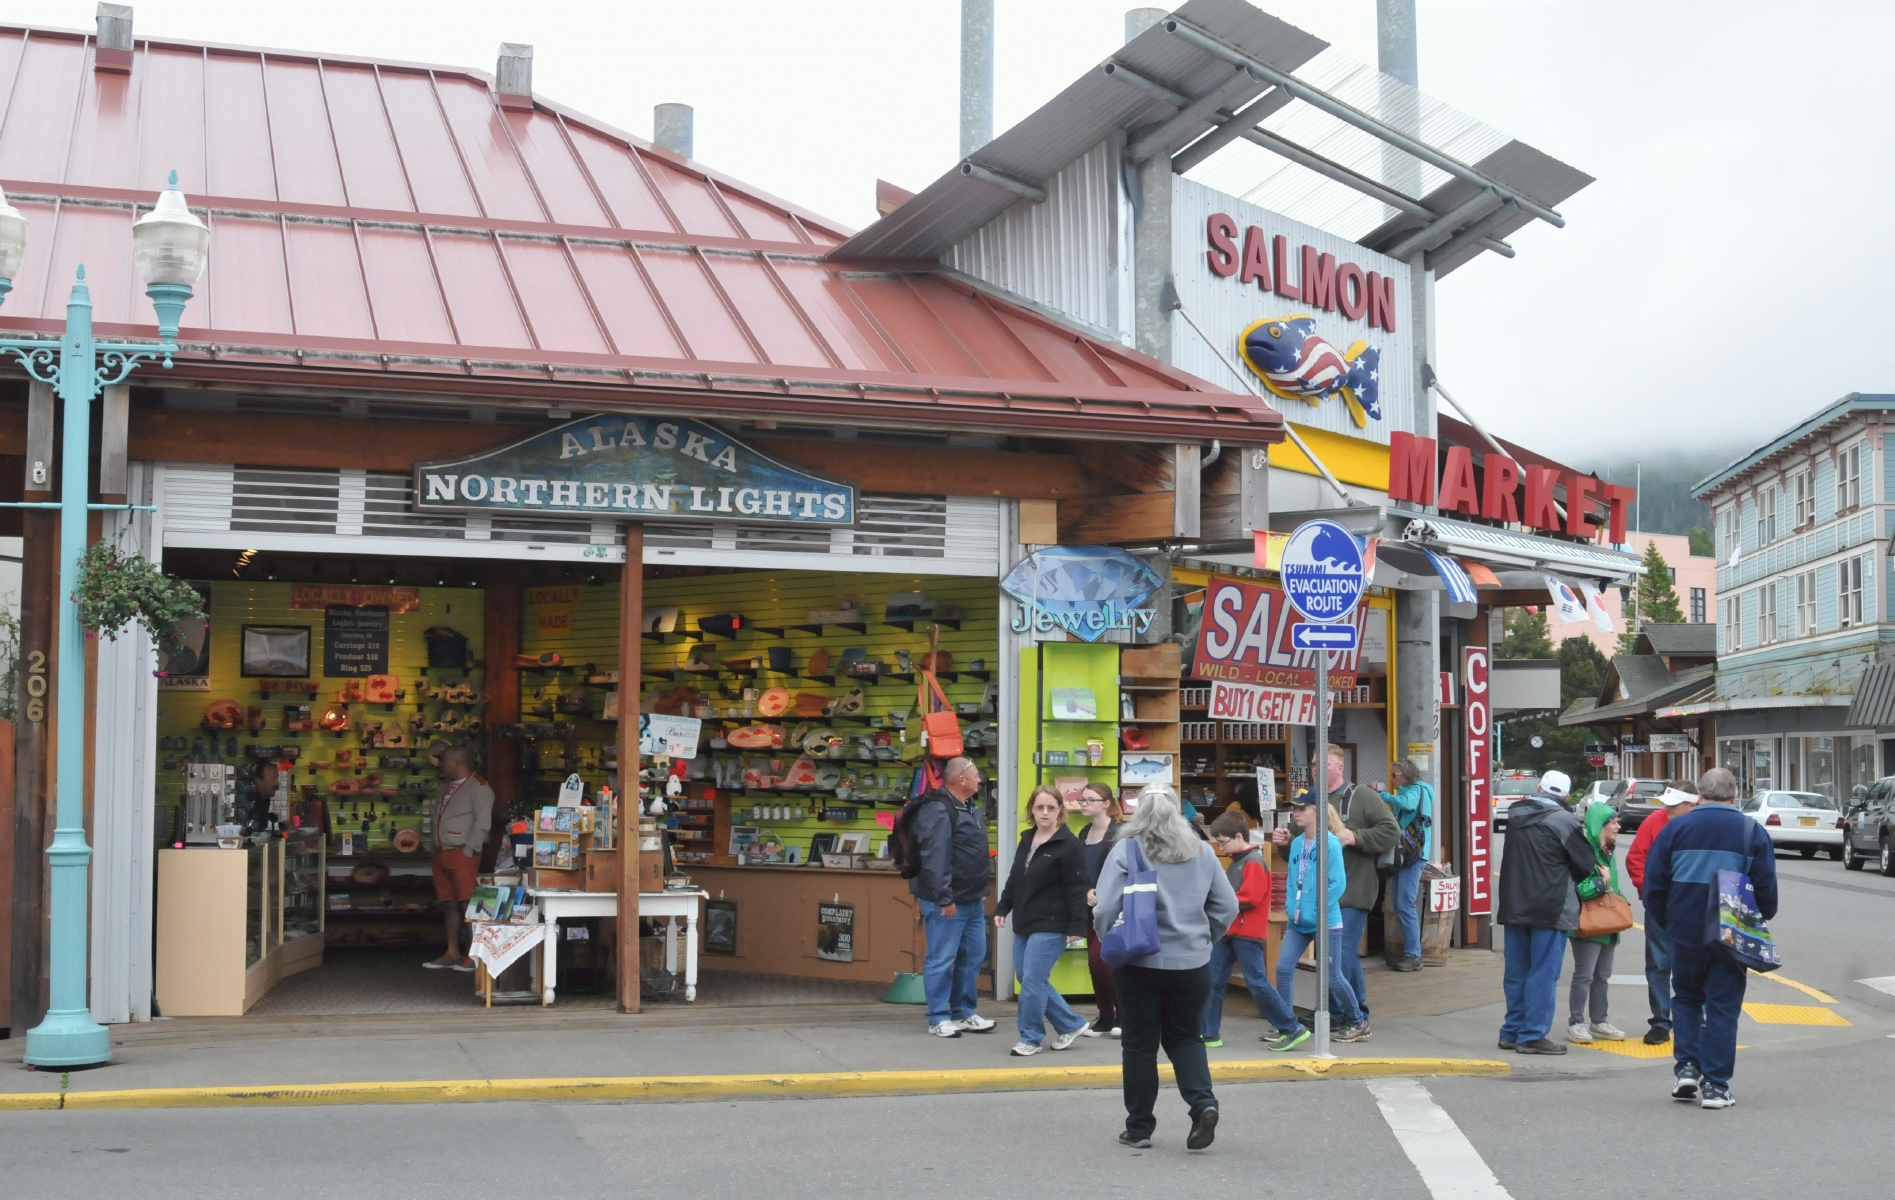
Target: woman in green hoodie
1592 957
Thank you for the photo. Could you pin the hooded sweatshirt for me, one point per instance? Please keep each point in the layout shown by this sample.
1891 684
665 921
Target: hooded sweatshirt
1299 892
1545 857
1598 816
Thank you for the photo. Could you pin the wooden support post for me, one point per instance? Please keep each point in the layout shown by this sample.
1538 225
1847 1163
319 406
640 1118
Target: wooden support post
502 643
33 775
631 859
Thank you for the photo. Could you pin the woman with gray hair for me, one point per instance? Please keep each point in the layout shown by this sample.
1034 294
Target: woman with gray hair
1162 996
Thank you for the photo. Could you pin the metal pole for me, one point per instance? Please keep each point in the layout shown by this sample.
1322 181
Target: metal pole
69 1037
1319 783
977 74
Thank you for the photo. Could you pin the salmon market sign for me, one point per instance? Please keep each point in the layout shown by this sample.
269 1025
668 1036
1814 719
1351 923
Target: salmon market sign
632 468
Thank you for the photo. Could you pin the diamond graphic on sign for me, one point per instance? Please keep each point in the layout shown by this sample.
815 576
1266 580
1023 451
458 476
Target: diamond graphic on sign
1079 580
1322 571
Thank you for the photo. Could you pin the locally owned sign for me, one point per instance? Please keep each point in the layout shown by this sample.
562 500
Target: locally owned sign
1477 718
1244 637
635 468
322 595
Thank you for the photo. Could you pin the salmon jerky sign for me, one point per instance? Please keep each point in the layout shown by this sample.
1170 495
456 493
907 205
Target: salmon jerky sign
635 468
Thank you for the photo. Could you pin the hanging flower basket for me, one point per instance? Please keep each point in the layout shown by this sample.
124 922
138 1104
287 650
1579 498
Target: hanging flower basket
116 589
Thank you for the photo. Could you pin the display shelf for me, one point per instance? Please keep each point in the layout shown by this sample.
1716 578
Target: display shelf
816 628
908 623
682 635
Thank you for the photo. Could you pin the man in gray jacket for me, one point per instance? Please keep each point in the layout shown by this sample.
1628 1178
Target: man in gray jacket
951 892
1545 857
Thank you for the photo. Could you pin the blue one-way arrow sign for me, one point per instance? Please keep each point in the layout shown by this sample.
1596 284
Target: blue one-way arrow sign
1307 636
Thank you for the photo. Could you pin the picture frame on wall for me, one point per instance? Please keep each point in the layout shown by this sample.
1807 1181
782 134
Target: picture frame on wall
275 651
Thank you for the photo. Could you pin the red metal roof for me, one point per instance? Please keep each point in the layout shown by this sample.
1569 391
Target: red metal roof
391 218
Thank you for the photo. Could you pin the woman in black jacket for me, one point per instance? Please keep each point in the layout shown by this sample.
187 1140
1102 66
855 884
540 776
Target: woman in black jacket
1046 897
1105 821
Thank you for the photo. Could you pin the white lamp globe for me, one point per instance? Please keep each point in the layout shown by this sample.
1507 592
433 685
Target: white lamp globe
169 244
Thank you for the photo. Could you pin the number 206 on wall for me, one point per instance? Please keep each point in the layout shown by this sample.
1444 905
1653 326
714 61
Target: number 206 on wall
36 685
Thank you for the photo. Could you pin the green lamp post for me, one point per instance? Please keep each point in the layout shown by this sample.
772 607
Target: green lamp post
169 249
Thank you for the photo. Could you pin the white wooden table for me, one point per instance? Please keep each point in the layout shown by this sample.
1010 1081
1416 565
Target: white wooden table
666 905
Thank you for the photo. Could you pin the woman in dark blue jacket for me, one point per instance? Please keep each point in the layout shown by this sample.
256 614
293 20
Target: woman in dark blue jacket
1046 898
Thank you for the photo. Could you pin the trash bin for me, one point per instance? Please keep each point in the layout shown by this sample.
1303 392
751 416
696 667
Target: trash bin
1437 928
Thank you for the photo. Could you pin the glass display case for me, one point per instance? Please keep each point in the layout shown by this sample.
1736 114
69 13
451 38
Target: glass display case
302 883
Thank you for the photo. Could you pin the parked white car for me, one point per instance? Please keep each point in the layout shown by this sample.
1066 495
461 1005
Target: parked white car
1806 821
1508 787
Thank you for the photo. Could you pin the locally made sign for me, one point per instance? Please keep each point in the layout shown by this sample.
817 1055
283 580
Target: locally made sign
667 469
1244 638
1477 719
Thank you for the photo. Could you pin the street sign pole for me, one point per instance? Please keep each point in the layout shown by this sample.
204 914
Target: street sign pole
1319 783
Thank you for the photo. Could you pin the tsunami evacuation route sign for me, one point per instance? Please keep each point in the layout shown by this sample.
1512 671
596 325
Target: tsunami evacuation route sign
1322 572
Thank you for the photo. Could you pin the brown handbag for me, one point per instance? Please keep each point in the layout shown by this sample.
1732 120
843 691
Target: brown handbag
1604 914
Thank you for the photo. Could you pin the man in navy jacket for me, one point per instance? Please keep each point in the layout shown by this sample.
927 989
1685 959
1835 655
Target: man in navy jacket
1707 986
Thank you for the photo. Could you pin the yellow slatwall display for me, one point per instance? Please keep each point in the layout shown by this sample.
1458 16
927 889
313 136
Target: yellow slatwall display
580 622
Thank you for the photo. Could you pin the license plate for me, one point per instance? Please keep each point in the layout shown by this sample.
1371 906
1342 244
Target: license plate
1808 821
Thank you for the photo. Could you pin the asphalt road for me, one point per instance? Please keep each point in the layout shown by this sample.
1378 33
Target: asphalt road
1586 1125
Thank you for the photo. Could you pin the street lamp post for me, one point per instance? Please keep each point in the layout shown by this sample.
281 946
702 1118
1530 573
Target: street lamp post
169 248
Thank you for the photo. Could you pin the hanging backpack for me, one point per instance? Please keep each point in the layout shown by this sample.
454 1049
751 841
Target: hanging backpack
1135 934
903 846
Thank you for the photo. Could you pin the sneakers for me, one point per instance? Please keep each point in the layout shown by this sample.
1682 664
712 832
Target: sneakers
1101 1025
975 1024
945 1029
1542 1046
1025 1049
1212 1041
1286 1042
1577 1032
1409 963
1507 1045
1684 1084
1657 1037
1607 1031
1063 1041
1128 1138
1089 1031
1203 1129
1113 1032
1358 1032
1716 1095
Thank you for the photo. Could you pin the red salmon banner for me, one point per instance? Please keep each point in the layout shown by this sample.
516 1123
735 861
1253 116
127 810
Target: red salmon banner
1245 638
322 595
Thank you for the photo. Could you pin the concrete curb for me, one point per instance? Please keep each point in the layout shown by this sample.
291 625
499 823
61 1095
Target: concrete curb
727 1087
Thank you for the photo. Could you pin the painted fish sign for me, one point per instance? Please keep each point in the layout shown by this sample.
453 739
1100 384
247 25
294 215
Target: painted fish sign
1297 363
668 469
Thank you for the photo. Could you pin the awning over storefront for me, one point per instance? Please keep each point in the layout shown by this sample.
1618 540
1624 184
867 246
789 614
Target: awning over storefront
1505 547
1695 706
1874 704
1647 689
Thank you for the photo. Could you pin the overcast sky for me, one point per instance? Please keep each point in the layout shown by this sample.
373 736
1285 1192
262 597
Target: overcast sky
1734 146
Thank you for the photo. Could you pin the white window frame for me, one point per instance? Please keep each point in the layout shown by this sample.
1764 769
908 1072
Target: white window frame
1849 573
1805 603
1803 491
1766 515
1730 618
1767 614
1733 528
1849 478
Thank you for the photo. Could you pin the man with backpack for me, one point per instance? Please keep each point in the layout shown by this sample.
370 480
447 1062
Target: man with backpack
940 846
1683 897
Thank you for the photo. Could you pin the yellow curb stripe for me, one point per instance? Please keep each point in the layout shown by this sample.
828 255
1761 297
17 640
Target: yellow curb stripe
26 1101
1804 988
720 1087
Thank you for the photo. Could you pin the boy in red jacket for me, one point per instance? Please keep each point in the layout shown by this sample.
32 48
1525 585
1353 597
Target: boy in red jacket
1678 800
1243 943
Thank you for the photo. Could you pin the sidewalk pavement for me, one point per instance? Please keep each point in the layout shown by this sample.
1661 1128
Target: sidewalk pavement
1440 1020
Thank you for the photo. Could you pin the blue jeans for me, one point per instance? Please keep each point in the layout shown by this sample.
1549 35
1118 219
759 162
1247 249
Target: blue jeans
1347 950
1248 955
1707 997
1658 974
1033 957
1407 888
1342 1001
951 969
1531 979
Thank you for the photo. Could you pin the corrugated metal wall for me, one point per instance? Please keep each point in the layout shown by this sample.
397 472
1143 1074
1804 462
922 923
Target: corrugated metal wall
1224 307
1062 253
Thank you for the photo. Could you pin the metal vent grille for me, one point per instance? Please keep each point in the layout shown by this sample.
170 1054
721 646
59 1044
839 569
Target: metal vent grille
789 538
901 526
388 510
265 501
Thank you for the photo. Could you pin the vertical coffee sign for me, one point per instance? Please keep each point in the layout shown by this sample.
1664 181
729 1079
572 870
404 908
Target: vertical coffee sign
354 641
1477 715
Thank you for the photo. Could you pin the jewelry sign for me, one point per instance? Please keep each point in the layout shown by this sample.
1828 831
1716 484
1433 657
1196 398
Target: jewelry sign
635 468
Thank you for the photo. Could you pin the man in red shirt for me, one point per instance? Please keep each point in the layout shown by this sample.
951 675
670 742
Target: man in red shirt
1678 799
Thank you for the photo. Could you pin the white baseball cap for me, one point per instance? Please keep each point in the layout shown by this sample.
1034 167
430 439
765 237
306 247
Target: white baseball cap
1556 783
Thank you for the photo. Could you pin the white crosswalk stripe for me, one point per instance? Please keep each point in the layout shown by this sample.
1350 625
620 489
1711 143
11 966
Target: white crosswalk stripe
1447 1162
1881 983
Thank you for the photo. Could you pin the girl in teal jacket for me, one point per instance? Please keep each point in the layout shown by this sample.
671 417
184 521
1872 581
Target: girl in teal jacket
1592 957
1301 903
